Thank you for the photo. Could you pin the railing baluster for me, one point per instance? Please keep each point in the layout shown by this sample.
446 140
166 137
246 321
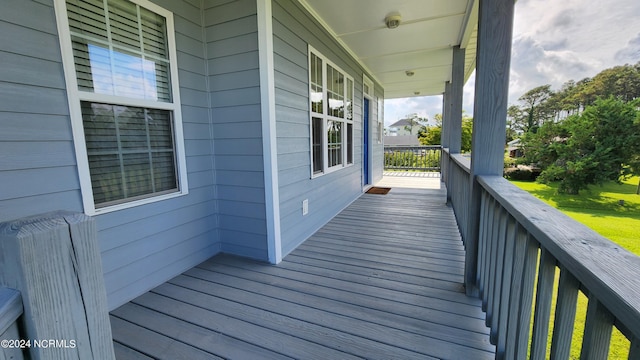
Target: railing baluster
565 316
482 241
544 295
597 331
516 289
507 274
528 279
487 265
495 215
501 235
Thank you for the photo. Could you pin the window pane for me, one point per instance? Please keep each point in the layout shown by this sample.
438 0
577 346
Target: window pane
335 92
130 150
316 136
129 65
334 142
349 143
316 84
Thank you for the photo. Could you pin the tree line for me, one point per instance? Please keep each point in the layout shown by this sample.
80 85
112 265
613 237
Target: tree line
587 132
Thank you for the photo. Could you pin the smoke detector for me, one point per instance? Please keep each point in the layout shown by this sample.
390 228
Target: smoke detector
393 20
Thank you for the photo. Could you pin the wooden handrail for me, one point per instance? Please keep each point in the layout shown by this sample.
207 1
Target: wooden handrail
519 234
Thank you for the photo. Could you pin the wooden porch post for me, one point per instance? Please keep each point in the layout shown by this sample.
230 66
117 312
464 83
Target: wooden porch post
444 136
495 27
457 83
54 261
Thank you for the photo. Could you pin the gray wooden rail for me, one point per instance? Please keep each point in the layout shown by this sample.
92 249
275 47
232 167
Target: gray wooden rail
459 192
522 243
421 158
10 310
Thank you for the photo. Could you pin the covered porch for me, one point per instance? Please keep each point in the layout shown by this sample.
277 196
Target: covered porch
383 279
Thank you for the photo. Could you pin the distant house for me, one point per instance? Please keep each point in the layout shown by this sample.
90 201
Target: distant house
404 127
402 140
514 148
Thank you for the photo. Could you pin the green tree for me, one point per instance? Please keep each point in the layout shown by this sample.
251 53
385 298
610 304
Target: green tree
431 135
535 110
414 120
599 145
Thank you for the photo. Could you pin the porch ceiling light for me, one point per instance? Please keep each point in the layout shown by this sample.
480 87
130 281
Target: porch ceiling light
393 20
409 73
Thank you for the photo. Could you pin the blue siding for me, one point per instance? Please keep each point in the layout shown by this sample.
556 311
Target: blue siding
142 246
234 83
295 29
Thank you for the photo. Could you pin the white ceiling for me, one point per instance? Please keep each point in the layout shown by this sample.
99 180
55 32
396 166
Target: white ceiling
422 43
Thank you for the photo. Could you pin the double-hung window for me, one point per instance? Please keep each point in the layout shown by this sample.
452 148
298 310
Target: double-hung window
331 104
120 66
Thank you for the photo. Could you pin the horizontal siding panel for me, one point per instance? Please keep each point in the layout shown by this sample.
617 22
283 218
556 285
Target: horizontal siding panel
295 57
238 146
292 100
19 127
24 183
240 163
240 193
128 232
242 26
40 17
189 45
228 11
249 179
238 130
20 69
181 8
247 252
33 99
145 274
119 218
196 131
290 84
192 80
238 208
288 115
28 206
233 63
236 80
293 130
199 163
197 147
242 223
292 39
190 62
143 247
190 97
294 175
247 96
200 179
232 46
190 29
195 114
291 145
288 161
232 114
239 238
30 42
32 155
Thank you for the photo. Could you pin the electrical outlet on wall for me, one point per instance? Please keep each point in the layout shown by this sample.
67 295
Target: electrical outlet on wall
305 206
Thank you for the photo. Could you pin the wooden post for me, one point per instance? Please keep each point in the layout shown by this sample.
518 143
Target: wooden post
54 261
457 84
495 27
445 168
10 311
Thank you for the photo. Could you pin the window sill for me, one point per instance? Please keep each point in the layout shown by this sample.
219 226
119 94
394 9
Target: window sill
105 210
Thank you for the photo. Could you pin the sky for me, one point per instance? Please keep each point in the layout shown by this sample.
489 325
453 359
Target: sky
553 42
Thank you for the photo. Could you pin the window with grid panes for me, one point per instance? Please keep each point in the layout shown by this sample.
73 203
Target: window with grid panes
123 58
331 103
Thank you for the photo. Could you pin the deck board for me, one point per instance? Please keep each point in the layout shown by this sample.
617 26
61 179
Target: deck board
382 280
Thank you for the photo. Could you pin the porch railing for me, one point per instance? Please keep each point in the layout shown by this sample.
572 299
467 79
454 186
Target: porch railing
10 310
522 244
419 158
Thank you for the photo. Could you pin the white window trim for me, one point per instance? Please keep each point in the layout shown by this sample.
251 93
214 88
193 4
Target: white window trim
326 117
75 96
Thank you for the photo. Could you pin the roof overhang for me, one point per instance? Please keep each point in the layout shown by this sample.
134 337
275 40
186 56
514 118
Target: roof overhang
422 44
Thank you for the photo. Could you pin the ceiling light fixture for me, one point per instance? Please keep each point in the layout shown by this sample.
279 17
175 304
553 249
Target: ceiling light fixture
393 20
416 93
409 73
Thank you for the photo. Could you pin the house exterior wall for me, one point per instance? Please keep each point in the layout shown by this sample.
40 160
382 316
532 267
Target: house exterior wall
234 80
294 30
142 246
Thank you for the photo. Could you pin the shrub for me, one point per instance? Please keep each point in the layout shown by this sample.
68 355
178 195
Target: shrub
521 174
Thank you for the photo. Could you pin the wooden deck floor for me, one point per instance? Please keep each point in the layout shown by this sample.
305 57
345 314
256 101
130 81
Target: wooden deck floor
382 280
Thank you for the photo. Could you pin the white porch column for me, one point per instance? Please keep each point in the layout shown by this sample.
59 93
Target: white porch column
444 135
495 28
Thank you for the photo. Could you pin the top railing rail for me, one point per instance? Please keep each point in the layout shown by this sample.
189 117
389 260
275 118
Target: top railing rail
417 158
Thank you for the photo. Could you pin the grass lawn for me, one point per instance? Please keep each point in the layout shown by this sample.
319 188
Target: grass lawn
599 209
